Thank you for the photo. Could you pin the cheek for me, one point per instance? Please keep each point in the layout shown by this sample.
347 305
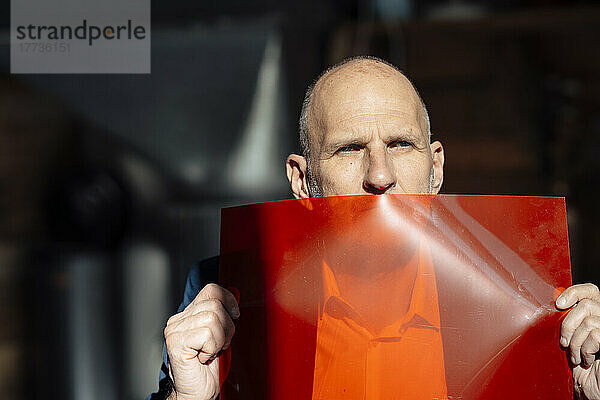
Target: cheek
342 177
413 174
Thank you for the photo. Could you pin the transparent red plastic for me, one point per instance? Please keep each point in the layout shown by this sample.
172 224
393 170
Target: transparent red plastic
397 296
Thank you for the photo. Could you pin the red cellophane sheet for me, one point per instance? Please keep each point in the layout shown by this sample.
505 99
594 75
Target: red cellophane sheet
396 297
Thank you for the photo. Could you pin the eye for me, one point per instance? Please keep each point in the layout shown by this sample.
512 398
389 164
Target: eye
349 148
400 143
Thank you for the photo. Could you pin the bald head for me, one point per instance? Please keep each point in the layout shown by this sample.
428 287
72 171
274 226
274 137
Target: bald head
364 129
352 71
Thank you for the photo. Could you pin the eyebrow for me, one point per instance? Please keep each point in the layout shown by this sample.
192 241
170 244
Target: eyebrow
344 142
416 138
400 134
403 134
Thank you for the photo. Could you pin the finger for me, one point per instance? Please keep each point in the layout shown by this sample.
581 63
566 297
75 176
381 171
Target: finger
570 296
202 342
217 319
198 307
580 335
213 291
184 346
173 320
590 347
575 317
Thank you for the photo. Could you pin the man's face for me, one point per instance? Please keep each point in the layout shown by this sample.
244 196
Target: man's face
368 136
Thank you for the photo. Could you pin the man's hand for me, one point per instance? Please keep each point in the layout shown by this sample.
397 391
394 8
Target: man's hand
194 339
580 332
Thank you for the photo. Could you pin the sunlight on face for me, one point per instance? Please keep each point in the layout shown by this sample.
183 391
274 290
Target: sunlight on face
369 136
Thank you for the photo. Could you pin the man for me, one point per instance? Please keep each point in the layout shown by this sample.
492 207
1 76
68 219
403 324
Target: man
363 130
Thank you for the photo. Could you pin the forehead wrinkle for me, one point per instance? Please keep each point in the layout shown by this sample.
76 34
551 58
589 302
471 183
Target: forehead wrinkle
348 137
393 127
369 131
373 114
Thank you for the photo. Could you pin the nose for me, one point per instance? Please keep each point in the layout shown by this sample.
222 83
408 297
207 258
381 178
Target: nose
379 177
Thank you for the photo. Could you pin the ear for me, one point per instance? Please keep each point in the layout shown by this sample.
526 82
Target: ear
437 153
295 166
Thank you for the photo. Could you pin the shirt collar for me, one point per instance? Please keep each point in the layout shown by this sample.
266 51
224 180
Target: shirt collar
423 310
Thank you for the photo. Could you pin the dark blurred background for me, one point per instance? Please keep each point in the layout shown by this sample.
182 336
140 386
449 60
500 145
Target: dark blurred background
111 185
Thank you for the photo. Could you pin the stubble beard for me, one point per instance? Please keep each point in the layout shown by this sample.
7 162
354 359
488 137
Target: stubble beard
314 189
431 179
